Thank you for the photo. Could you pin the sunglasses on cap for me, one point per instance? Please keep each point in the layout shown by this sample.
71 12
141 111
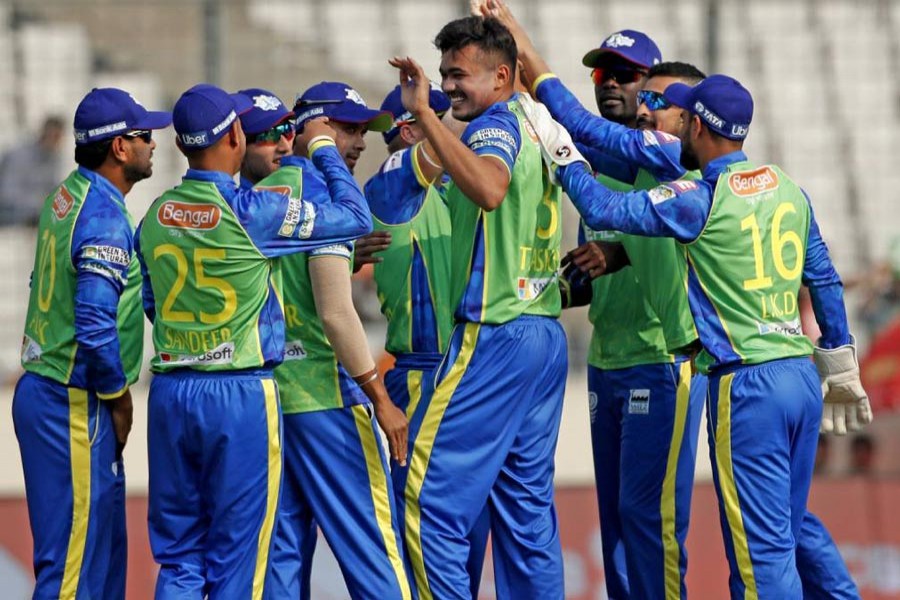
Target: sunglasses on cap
620 73
144 134
653 100
271 136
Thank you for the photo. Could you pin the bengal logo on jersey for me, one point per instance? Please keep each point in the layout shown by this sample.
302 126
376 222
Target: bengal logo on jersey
188 216
751 183
62 202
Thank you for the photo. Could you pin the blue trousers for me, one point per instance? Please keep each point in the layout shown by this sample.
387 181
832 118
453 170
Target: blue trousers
488 434
763 427
410 383
214 446
72 474
645 422
336 473
822 571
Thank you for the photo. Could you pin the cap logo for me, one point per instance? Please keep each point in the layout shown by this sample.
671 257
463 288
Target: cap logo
617 40
267 103
198 138
751 183
310 113
354 96
225 123
107 129
188 216
739 130
708 115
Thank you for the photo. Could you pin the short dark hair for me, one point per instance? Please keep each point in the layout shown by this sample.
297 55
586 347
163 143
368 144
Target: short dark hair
489 35
91 156
685 71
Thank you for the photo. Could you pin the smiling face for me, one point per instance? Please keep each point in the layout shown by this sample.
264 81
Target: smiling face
262 158
350 141
474 80
671 119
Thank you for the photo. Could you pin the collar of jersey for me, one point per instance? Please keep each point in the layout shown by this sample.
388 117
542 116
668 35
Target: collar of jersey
102 182
212 176
715 167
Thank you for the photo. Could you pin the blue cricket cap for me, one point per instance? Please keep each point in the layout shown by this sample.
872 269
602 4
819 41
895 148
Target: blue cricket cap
266 112
720 101
109 112
204 113
339 102
629 45
437 100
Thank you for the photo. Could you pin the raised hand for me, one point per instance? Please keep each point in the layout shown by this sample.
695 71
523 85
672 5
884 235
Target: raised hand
415 87
316 128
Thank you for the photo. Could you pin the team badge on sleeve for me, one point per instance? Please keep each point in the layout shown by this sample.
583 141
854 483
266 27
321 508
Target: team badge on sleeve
661 194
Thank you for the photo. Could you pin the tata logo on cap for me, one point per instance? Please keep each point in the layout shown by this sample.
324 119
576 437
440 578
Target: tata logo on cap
62 203
188 216
617 40
751 183
708 115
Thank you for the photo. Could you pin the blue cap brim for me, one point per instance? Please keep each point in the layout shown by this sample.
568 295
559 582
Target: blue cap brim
241 103
154 119
680 95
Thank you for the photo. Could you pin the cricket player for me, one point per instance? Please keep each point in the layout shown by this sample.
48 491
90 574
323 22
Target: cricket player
336 473
489 431
751 239
213 292
406 197
639 371
82 350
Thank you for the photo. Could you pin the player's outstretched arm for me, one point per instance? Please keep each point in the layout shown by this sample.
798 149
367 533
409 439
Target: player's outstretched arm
330 278
484 180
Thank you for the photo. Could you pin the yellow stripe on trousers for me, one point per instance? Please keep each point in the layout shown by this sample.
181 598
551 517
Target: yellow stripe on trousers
414 389
728 489
381 497
671 551
421 454
264 542
80 455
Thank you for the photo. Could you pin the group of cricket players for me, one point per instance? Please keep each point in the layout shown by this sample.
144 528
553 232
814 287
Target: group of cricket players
265 404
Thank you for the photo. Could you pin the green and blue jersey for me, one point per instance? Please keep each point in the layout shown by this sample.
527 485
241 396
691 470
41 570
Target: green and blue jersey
751 239
208 253
84 328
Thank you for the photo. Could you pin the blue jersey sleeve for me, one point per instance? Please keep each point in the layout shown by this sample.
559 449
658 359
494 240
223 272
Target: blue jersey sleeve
655 151
102 244
396 192
495 133
678 210
825 289
332 209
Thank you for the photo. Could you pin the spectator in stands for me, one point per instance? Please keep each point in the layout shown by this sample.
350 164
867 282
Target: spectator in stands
29 173
862 455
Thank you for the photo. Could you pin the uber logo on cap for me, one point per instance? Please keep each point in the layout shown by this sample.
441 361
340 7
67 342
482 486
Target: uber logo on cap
639 402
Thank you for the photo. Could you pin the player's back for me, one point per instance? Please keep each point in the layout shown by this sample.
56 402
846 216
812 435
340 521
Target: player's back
748 263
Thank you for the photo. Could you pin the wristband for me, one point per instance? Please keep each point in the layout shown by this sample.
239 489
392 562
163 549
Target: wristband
318 142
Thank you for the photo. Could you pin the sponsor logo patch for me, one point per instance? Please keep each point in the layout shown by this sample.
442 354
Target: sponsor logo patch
394 161
31 350
62 202
529 288
110 254
639 402
791 328
294 350
661 194
267 103
310 113
342 250
188 216
708 115
309 221
492 134
223 354
617 40
685 186
194 139
751 183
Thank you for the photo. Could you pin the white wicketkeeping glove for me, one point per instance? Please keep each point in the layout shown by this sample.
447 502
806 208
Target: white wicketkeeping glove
846 403
557 147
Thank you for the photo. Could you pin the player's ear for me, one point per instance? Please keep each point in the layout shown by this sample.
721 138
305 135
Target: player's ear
408 135
235 133
503 76
119 149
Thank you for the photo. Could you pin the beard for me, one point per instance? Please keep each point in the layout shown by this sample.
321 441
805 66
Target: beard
135 173
689 158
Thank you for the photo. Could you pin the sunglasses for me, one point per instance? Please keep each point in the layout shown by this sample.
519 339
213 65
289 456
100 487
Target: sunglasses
144 134
622 75
653 100
273 135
